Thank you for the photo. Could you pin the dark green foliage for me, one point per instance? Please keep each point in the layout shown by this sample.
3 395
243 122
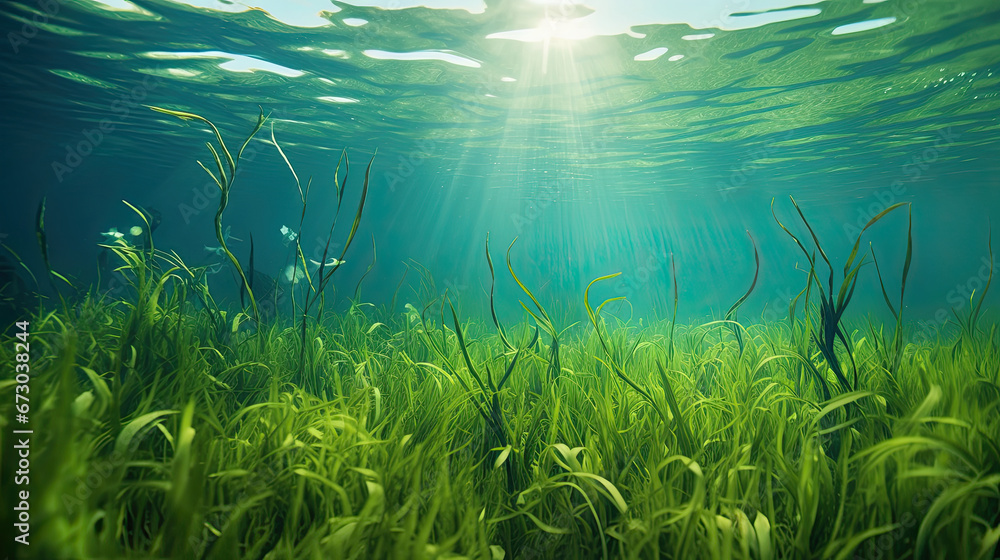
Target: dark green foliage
731 314
357 289
684 438
367 434
896 352
540 317
248 285
830 330
202 453
970 323
317 288
43 244
225 183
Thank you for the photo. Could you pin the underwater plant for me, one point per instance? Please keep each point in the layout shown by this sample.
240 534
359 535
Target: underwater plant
731 314
316 293
43 246
970 323
357 288
682 430
225 183
830 330
540 317
166 436
894 356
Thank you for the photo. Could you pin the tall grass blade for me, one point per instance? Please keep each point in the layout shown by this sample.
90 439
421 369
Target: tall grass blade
357 288
43 244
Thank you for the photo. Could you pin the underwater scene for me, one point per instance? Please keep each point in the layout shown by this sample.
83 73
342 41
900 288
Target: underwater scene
500 279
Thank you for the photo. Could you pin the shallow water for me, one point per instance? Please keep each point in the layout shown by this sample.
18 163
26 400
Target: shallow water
658 141
596 158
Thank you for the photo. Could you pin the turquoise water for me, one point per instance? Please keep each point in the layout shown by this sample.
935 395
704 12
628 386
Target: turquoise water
564 125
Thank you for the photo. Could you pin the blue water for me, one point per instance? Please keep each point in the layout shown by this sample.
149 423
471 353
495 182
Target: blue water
595 161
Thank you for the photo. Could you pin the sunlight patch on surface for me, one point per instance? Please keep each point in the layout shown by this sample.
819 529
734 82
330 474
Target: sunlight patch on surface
296 13
863 26
182 72
334 99
423 55
120 6
650 55
236 62
308 13
471 6
617 17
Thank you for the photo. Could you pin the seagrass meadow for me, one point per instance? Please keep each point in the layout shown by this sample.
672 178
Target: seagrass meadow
499 280
164 431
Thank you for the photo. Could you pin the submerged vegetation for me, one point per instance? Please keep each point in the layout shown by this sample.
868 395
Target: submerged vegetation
175 428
